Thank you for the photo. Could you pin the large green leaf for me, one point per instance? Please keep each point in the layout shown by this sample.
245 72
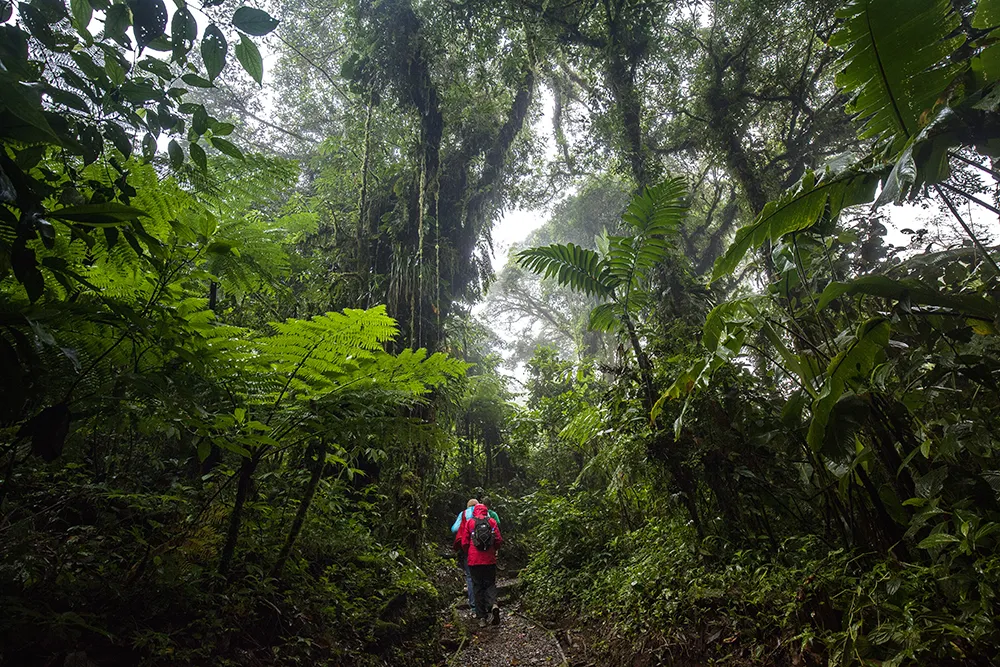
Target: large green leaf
149 20
26 105
579 268
914 291
183 31
987 14
937 540
924 160
116 21
896 63
227 147
108 213
852 363
801 207
213 51
196 81
254 21
82 12
249 57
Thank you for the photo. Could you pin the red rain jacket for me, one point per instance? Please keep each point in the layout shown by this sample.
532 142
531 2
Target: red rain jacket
474 555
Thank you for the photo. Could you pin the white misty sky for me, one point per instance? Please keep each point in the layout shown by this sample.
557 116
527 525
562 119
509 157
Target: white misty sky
513 228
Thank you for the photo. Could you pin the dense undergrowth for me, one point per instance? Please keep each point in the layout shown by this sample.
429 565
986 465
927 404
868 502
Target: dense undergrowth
128 577
650 594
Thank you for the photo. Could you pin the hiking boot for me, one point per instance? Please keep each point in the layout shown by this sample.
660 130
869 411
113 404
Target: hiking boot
495 616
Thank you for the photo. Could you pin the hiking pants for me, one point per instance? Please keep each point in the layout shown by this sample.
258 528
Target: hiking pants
464 561
484 581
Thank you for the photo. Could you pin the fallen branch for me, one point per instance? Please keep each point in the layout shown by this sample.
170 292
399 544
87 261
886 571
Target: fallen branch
461 645
551 633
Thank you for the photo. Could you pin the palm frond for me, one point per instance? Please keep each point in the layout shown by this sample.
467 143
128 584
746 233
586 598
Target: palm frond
654 216
579 268
658 210
604 318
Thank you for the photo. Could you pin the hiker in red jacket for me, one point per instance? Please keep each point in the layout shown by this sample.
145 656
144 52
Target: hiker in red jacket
481 538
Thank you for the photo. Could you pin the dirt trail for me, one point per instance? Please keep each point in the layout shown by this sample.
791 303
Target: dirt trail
517 640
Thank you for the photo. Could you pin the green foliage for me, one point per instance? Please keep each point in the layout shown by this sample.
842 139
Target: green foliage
855 361
74 100
796 605
127 378
896 69
833 441
347 598
620 273
571 265
236 390
810 201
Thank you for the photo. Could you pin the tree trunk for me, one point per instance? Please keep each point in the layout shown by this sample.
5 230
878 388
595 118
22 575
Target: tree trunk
300 515
364 233
247 469
645 368
624 54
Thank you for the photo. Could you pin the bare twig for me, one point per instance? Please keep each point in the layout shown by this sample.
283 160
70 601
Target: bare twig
973 163
968 230
970 197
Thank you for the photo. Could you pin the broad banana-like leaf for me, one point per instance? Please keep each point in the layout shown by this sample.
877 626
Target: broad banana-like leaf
986 65
579 268
987 14
968 305
856 361
896 63
924 161
801 207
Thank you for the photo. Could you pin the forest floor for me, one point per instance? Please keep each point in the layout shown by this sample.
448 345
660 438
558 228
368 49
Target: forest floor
517 640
